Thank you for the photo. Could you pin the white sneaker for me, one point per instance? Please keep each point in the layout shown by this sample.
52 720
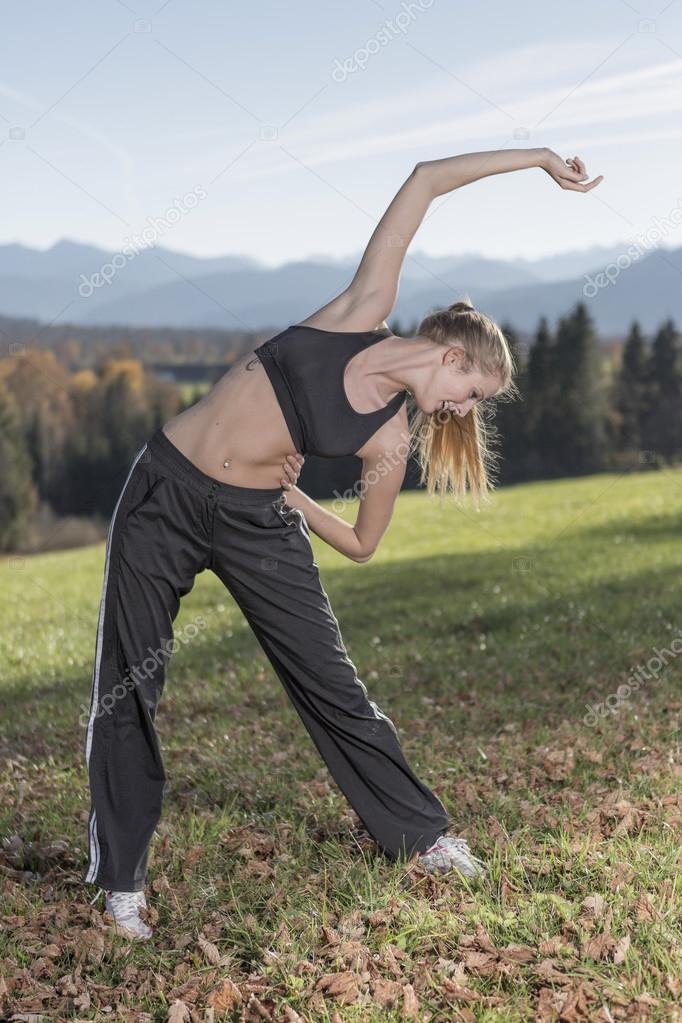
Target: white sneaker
448 853
125 908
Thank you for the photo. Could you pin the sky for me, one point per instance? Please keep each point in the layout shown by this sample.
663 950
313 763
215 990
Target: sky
291 126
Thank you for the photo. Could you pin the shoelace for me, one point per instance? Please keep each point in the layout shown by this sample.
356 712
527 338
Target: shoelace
446 843
126 904
462 845
459 843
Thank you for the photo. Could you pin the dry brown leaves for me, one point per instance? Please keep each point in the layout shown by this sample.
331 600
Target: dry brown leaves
557 763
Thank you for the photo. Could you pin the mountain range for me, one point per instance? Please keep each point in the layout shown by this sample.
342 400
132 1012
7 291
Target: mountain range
81 284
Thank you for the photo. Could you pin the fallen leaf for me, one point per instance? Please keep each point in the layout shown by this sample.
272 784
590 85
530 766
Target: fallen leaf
291 1015
557 763
620 949
599 946
178 1013
594 905
518 953
479 962
342 986
551 946
410 1009
458 993
386 992
575 1006
225 997
210 951
645 909
548 971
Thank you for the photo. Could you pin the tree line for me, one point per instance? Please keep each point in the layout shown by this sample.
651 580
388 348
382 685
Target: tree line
88 346
586 410
67 438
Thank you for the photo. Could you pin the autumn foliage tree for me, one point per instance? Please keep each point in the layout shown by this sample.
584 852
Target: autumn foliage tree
18 495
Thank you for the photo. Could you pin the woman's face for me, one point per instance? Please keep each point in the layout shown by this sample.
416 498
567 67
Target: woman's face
450 388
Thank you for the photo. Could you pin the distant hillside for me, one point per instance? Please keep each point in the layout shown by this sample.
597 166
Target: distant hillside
159 288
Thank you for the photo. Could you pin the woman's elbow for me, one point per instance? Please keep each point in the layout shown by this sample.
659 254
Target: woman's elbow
361 556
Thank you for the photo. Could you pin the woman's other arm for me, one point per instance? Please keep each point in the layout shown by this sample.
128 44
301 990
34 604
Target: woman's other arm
382 477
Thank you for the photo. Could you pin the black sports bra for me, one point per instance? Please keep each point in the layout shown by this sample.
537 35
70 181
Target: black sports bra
305 366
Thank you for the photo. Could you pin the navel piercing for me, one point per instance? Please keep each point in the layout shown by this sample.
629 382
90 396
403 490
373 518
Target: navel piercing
226 463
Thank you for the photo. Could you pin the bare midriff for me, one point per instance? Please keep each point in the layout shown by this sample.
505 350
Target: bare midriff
238 421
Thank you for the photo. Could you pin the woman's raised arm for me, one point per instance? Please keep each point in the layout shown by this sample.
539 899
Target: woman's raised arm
372 293
454 171
378 274
377 277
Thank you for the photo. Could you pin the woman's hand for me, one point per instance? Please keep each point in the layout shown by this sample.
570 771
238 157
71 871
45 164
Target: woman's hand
292 468
569 174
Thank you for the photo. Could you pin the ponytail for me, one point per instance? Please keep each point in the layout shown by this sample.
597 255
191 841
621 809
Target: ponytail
455 453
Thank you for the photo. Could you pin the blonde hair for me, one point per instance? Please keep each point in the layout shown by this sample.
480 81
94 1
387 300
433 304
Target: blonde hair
454 452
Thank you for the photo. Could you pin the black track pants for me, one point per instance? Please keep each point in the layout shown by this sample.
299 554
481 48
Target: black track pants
171 522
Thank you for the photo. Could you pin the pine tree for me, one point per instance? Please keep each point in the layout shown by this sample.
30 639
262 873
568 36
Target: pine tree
665 362
662 431
630 391
578 433
540 358
540 397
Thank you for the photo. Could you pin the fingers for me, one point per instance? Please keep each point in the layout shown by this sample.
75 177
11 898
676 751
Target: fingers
575 186
579 174
571 174
573 170
580 165
292 467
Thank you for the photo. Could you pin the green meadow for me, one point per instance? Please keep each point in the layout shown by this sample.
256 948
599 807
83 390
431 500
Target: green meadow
497 642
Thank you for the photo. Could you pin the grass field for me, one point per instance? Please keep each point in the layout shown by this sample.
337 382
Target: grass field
485 638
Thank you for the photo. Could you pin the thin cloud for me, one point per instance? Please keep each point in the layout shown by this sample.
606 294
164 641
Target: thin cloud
121 155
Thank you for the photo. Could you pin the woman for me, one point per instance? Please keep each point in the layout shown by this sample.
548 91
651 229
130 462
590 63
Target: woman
207 491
